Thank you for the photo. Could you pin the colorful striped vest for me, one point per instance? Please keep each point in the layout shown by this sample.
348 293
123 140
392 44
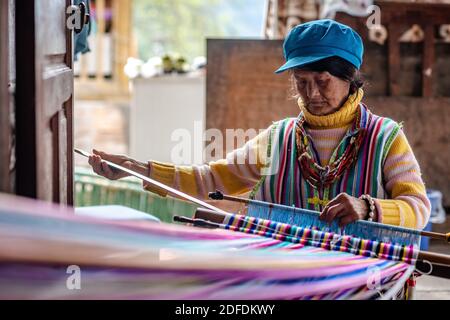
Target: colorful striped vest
282 181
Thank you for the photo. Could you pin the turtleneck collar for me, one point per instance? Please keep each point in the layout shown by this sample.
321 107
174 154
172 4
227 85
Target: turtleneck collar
343 117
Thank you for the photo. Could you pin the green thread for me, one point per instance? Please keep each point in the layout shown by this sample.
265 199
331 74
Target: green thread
390 140
269 150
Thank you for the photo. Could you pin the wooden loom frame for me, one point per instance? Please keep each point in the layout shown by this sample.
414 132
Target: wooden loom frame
212 217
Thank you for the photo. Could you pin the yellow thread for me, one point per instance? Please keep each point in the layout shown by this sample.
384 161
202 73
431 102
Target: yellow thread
317 201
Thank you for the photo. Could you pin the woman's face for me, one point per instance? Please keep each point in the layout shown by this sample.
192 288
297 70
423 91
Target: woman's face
321 92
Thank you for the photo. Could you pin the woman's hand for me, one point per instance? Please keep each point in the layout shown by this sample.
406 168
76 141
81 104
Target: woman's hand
103 169
345 208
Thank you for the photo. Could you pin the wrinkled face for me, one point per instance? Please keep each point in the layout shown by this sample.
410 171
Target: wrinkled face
321 92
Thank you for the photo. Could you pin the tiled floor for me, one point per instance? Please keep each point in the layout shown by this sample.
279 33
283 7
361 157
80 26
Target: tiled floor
105 126
432 288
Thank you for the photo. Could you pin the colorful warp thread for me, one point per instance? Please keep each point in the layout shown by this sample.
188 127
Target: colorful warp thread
145 260
317 175
310 219
322 239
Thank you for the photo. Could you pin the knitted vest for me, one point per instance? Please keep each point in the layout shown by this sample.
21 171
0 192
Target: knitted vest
282 181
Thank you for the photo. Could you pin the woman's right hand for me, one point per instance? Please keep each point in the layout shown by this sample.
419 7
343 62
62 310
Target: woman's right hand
101 168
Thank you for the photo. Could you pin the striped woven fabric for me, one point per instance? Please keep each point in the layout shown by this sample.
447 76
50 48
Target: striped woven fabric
287 186
142 260
322 239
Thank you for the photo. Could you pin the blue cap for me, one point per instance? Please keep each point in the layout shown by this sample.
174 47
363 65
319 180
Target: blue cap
316 40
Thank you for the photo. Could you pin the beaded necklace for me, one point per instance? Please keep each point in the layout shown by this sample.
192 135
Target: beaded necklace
323 176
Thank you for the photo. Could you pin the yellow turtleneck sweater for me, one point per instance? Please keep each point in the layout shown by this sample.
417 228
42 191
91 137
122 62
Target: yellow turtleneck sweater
408 204
343 117
327 131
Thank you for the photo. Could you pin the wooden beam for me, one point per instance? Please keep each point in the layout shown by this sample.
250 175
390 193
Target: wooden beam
414 12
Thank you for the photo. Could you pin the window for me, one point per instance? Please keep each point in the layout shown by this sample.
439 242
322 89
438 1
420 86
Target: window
181 26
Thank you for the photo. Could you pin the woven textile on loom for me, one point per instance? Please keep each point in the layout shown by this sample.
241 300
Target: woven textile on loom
142 260
304 226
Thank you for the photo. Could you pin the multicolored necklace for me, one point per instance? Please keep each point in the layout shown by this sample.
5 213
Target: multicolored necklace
319 176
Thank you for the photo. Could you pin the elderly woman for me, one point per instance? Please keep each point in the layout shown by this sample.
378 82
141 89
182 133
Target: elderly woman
336 157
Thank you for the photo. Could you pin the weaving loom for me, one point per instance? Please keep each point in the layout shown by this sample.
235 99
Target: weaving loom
131 260
265 259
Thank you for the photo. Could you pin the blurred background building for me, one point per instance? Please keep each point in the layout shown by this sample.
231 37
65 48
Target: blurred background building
144 29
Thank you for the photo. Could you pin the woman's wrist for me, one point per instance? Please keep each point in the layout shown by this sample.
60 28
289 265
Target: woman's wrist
140 167
378 211
371 214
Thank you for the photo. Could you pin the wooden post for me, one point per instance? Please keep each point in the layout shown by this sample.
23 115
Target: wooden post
428 60
100 13
116 37
275 34
84 76
43 99
265 27
67 192
393 58
122 31
5 128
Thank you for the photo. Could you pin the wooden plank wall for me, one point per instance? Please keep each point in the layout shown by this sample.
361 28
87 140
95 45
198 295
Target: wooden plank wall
398 17
242 89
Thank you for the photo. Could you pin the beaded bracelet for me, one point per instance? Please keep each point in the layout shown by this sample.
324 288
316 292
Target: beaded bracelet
371 205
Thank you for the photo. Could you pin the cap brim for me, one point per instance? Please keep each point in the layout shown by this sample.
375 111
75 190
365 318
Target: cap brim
301 61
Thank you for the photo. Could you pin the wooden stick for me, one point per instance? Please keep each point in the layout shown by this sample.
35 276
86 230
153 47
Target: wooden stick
435 258
209 216
220 196
436 235
156 183
197 222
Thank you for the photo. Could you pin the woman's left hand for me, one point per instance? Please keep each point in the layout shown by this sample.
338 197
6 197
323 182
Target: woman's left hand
345 208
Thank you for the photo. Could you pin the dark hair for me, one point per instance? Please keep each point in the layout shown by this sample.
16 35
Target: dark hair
339 68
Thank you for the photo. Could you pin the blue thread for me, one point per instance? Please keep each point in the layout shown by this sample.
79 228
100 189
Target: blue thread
310 219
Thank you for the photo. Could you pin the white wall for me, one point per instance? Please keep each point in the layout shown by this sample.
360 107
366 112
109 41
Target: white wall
162 105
